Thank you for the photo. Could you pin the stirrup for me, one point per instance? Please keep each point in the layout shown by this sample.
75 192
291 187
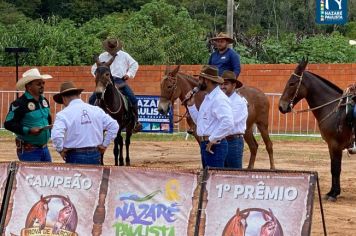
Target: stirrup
137 128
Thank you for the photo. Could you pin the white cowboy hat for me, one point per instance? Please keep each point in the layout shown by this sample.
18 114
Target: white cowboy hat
29 76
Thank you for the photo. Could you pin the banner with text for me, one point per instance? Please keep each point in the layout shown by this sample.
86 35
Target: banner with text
53 200
331 11
258 203
3 179
150 118
151 202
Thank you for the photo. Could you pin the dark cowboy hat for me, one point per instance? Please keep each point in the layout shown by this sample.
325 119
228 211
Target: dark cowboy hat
66 87
112 45
211 73
225 36
231 76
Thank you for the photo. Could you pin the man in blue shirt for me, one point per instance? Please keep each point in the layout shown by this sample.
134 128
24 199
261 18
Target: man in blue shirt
225 58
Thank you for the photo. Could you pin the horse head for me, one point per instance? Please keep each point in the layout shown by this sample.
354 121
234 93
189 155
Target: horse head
294 90
103 76
237 224
65 216
38 214
169 90
271 227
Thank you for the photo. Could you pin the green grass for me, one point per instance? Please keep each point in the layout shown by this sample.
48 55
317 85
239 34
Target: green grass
181 137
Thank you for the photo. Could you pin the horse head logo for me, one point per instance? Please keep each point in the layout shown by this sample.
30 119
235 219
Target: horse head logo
237 224
271 227
38 214
66 218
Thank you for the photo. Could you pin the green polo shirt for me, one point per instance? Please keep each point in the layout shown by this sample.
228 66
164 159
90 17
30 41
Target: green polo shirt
26 113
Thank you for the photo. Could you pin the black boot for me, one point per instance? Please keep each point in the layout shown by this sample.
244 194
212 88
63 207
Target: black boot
138 125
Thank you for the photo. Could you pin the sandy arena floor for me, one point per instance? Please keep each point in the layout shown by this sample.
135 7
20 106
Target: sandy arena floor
340 216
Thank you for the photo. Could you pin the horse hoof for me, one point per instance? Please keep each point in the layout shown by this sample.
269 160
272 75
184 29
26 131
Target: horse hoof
330 198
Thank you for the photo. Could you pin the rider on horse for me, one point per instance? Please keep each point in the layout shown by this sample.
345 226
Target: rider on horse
122 68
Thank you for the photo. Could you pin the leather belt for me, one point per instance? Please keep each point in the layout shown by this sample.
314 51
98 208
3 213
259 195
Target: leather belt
234 136
83 149
23 146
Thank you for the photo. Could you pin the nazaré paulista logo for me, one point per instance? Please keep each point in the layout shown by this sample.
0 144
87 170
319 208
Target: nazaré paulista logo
331 11
151 214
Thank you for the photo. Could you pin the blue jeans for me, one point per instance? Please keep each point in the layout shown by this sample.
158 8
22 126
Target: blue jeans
83 157
127 91
37 154
235 153
218 158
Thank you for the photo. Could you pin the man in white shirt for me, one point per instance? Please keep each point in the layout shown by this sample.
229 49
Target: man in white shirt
214 119
78 130
239 109
123 67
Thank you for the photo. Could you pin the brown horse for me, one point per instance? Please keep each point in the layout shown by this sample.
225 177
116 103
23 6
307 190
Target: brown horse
67 217
237 224
113 102
323 98
271 227
38 214
176 85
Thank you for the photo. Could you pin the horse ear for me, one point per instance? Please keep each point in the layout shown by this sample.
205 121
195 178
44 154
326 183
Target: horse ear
238 211
265 216
96 59
302 65
175 71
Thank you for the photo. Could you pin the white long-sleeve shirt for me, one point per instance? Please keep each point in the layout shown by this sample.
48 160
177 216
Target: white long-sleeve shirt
82 125
239 112
214 118
123 64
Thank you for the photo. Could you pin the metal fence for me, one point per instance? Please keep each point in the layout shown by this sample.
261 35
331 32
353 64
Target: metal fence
303 124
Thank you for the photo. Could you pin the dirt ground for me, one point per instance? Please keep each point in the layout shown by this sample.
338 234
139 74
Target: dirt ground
340 216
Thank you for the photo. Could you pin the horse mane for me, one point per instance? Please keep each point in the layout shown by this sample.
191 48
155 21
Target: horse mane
188 77
335 87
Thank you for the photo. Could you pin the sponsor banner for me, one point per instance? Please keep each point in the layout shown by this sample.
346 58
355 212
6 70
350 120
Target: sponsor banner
151 202
3 178
53 200
331 11
150 118
258 203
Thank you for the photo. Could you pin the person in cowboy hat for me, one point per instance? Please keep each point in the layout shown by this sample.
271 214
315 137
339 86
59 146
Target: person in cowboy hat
78 130
29 117
123 67
225 58
213 119
235 139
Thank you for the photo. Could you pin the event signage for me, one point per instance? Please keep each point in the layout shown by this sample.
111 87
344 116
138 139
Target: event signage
331 11
151 202
3 178
258 203
150 118
53 200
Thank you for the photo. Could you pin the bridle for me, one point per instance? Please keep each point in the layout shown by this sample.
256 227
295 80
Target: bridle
110 81
175 82
291 102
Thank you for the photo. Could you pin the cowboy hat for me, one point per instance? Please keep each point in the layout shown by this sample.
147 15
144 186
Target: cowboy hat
211 73
28 76
231 76
225 36
112 45
66 87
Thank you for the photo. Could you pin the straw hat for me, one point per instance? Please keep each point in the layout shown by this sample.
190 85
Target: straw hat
65 88
225 36
211 73
231 76
112 45
28 76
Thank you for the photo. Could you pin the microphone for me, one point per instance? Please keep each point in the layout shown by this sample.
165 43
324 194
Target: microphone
194 91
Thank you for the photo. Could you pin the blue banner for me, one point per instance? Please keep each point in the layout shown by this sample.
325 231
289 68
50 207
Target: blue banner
150 118
331 11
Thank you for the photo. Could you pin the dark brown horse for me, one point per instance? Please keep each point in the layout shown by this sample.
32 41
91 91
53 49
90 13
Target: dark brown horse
323 98
176 85
113 102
